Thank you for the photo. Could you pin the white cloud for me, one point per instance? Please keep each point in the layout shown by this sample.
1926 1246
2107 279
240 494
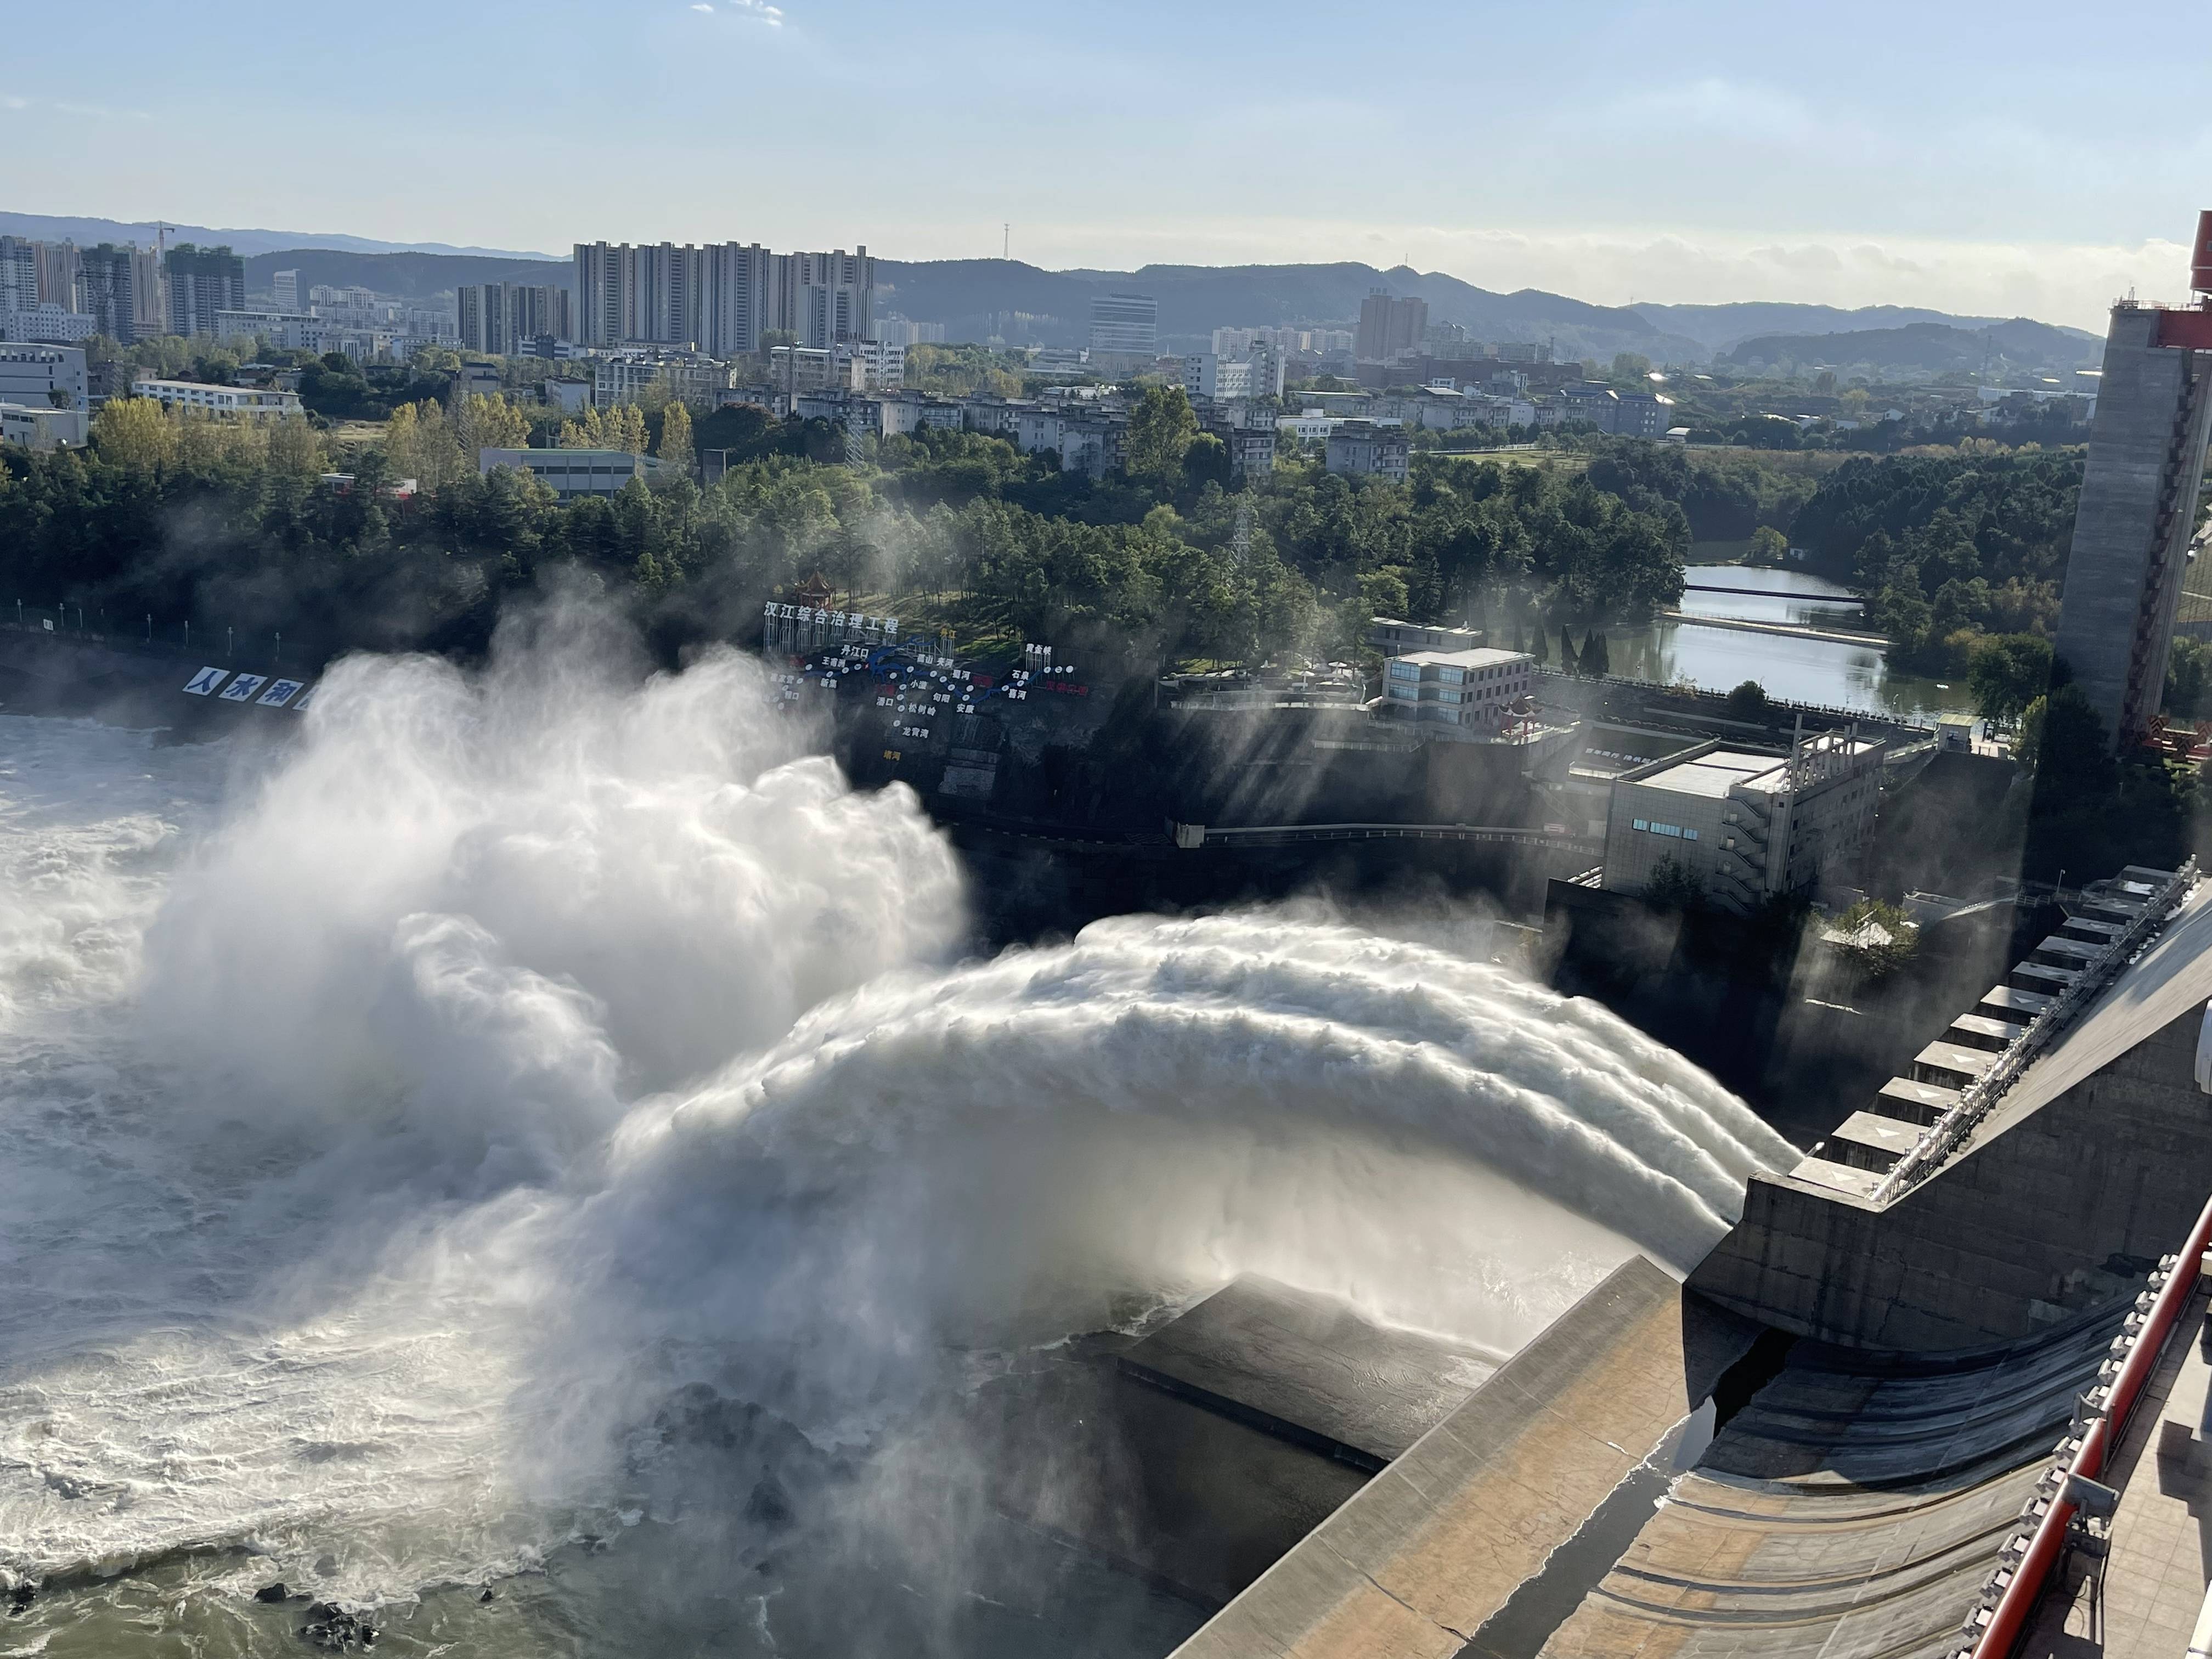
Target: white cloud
747 11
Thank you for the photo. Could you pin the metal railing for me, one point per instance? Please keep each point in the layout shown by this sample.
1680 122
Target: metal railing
1943 1137
2025 1562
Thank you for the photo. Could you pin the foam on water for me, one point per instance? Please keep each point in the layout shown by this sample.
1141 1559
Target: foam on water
395 1120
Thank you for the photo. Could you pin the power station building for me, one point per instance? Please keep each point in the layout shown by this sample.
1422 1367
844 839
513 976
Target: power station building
2138 508
1746 827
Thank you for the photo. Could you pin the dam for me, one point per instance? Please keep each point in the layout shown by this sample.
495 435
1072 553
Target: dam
1935 1393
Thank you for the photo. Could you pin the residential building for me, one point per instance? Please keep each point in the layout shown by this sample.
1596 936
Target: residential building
795 369
2138 504
1480 690
1642 415
43 376
1125 325
900 331
572 472
106 292
295 331
57 274
569 397
42 428
1085 441
1258 373
47 323
237 401
1746 827
497 318
149 292
686 376
476 379
202 282
19 273
286 286
724 298
1369 449
1389 327
877 366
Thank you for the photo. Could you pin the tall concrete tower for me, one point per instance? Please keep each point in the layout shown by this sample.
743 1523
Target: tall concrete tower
2138 505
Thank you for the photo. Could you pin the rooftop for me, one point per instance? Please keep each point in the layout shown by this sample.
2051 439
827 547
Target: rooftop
1480 657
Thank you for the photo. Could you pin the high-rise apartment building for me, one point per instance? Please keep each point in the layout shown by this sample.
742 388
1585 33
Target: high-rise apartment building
722 298
287 286
57 273
19 273
503 318
202 282
107 278
2138 503
149 292
1125 324
1389 326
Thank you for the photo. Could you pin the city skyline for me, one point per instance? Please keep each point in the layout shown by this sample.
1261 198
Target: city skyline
1633 153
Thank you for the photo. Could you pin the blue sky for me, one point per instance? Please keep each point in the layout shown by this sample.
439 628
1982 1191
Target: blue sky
2026 158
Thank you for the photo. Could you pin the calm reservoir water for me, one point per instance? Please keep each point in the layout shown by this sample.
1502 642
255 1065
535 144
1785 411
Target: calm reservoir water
1837 674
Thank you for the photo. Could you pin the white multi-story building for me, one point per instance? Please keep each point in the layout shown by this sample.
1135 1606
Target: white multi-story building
1481 691
231 401
36 427
286 286
46 322
280 328
686 376
43 376
1747 828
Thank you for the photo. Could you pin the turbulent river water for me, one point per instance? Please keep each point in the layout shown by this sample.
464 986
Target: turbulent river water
458 1147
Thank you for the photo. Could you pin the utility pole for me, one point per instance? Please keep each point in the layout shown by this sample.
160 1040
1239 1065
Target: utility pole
1007 240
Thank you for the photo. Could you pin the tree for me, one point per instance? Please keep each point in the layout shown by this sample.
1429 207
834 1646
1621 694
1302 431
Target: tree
1630 366
675 451
1747 704
2061 741
134 432
1569 663
1597 661
2188 678
1674 884
2007 673
1161 429
1769 547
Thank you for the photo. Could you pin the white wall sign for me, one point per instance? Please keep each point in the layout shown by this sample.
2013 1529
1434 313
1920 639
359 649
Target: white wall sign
243 688
206 681
302 701
279 693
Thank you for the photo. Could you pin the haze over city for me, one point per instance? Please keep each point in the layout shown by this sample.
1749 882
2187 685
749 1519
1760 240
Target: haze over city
1879 154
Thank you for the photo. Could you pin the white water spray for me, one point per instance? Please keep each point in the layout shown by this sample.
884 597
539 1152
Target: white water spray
396 1119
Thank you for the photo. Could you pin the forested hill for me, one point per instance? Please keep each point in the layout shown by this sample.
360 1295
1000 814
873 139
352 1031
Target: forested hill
1924 348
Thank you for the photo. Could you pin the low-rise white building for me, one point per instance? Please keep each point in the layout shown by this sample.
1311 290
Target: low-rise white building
42 426
51 323
35 376
1477 691
241 402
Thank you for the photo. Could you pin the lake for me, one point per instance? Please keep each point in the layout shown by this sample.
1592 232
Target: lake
1838 675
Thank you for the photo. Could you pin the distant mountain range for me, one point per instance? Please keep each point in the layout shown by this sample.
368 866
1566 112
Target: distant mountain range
1931 348
86 231
977 298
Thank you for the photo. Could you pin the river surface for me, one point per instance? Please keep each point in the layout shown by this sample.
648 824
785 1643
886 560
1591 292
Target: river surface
534 1159
1828 672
